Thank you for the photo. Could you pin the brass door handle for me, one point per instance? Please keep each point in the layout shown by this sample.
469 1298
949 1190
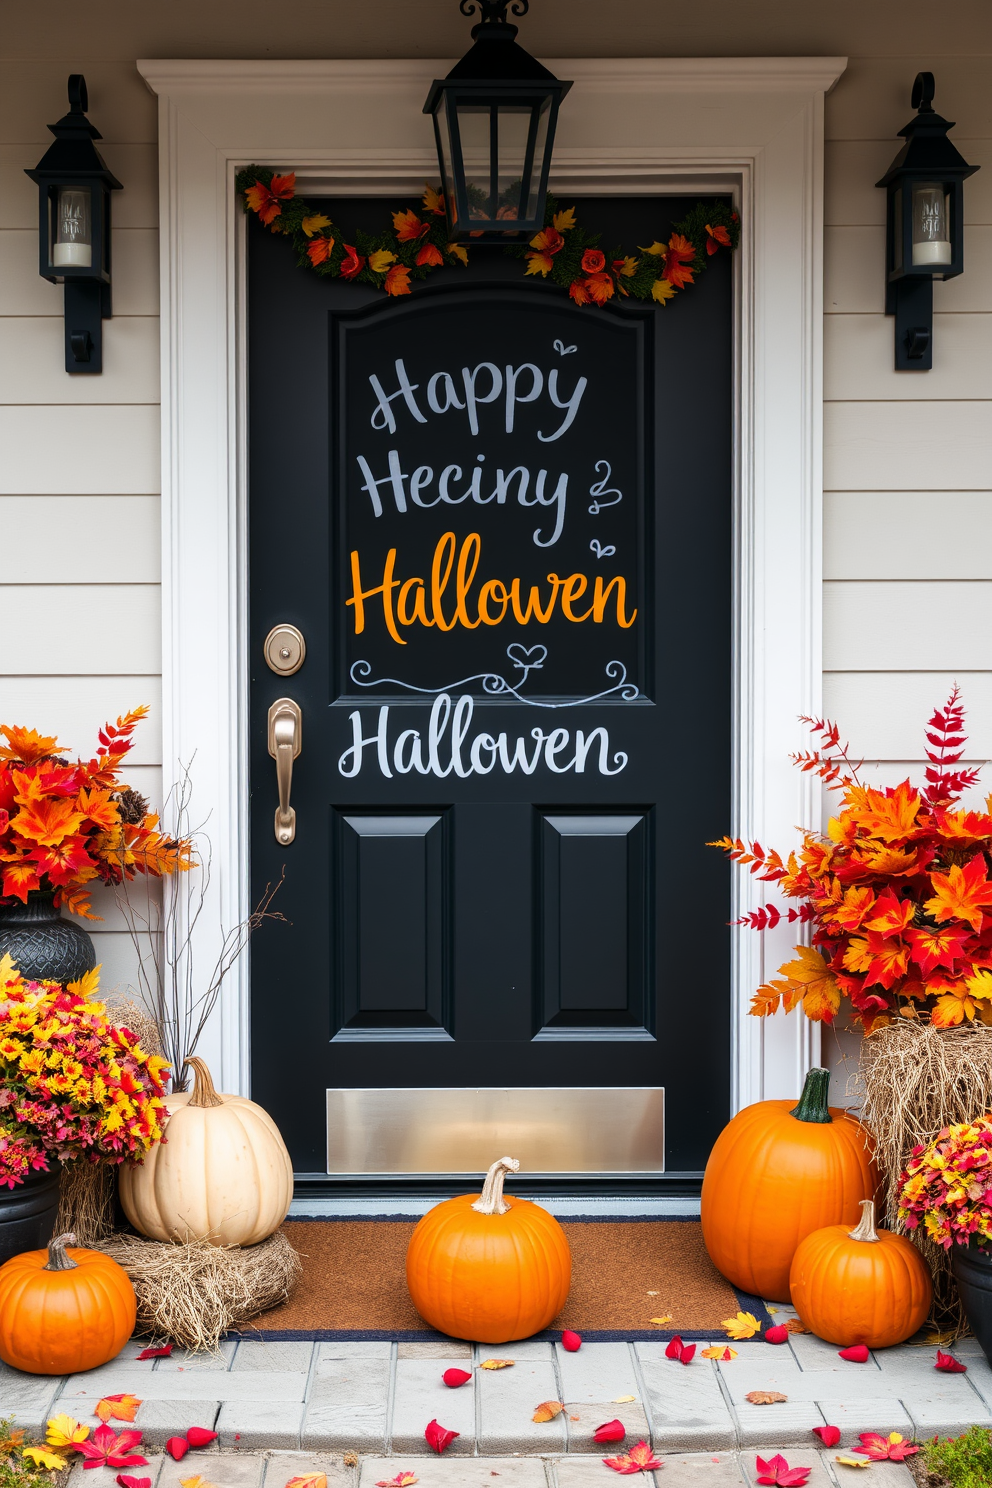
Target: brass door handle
285 743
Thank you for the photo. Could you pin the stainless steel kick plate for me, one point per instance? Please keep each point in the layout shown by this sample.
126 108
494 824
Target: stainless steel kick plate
458 1133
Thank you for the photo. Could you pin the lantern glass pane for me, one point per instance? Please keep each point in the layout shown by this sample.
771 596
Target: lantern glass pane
931 224
443 133
73 243
476 123
897 228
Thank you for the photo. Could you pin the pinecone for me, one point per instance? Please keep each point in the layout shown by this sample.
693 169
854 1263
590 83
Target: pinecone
133 808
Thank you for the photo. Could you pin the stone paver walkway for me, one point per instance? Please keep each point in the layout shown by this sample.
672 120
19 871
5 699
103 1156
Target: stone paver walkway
375 1399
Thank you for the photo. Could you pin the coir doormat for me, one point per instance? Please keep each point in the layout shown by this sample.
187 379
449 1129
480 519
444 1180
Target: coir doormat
624 1273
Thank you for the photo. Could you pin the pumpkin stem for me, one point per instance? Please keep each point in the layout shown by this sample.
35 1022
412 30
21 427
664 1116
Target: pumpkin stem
865 1229
57 1258
490 1201
204 1094
813 1101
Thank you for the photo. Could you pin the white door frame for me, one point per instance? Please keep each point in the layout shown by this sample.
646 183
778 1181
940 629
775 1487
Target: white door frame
754 125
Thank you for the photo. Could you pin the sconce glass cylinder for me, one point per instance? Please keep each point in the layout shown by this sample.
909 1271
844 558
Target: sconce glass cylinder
931 224
72 245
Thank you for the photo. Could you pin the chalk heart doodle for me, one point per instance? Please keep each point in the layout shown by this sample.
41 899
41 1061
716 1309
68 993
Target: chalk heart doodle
564 350
521 657
601 552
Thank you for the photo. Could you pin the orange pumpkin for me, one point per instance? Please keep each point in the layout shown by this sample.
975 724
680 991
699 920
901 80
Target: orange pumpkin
489 1269
778 1172
863 1286
63 1311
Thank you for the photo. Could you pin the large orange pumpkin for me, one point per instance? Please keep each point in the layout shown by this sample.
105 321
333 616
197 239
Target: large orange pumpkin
63 1311
863 1286
489 1269
778 1172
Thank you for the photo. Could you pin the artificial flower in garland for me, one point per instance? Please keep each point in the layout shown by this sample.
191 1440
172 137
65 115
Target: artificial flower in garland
562 252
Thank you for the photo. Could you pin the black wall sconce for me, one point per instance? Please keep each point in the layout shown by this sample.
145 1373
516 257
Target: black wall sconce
74 187
924 232
494 126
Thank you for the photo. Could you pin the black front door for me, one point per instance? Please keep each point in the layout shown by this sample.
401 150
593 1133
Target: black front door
502 525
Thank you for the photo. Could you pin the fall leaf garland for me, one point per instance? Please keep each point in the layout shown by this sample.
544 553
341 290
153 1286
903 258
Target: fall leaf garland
562 252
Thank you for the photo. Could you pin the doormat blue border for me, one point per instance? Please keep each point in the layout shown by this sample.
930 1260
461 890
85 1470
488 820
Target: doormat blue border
745 1301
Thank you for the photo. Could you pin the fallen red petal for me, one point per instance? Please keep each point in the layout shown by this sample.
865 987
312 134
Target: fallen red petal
778 1334
856 1354
455 1377
199 1436
177 1447
949 1364
155 1353
126 1481
610 1431
571 1341
438 1437
829 1435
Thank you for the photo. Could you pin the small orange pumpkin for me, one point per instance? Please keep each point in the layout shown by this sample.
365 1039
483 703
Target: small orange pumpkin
863 1286
777 1172
488 1269
63 1311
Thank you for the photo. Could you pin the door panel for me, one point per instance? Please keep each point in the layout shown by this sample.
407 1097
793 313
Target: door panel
503 526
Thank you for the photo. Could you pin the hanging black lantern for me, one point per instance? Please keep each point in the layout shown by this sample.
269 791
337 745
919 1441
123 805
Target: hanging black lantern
924 226
74 187
494 125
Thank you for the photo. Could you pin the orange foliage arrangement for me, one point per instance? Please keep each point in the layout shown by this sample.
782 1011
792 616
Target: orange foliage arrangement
64 825
898 892
562 251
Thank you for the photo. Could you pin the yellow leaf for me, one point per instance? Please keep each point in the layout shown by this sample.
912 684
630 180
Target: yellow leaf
63 1430
546 1411
309 1480
41 1457
719 1351
853 1461
662 291
496 1364
195 1482
772 1310
379 262
661 1321
457 251
658 249
433 200
88 984
310 225
622 1399
744 1325
565 221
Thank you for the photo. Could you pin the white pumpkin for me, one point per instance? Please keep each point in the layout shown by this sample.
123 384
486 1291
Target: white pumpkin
223 1172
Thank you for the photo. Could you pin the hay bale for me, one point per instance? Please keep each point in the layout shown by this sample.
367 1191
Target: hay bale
917 1080
86 1201
193 1293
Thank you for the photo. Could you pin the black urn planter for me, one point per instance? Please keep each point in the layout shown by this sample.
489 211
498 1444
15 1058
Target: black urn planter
27 1213
972 1269
44 945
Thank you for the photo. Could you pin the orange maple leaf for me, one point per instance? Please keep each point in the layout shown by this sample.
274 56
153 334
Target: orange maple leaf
716 237
319 251
850 912
815 982
549 240
890 816
46 822
66 862
679 254
894 862
889 960
959 894
409 227
397 281
769 996
26 745
599 287
117 1407
429 254
891 915
578 293
265 199
20 878
930 948
98 806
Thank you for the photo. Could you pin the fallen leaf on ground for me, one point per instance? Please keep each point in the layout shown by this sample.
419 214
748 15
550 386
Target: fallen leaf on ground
719 1351
744 1325
63 1430
570 1341
766 1397
438 1437
196 1481
305 1480
455 1377
891 1448
772 1310
683 1352
156 1353
401 1480
794 1325
199 1436
949 1364
117 1407
124 1480
108 1450
661 1321
777 1471
829 1435
10 1441
623 1399
177 1447
852 1462
610 1431
778 1334
497 1364
639 1459
856 1354
547 1410
42 1457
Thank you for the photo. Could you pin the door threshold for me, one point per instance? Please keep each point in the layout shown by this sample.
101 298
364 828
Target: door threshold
563 1206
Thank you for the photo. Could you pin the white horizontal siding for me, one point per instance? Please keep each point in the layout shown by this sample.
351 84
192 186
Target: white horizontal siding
32 362
83 449
74 708
883 714
899 535
45 537
80 629
854 278
898 626
858 354
135 273
907 446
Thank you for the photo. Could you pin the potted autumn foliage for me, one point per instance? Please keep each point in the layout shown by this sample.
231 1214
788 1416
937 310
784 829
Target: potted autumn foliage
946 1189
63 827
73 1085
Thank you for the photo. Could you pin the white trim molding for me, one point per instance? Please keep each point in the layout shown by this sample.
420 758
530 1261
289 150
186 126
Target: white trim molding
752 125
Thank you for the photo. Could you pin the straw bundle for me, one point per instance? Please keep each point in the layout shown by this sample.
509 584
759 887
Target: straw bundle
193 1293
918 1079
